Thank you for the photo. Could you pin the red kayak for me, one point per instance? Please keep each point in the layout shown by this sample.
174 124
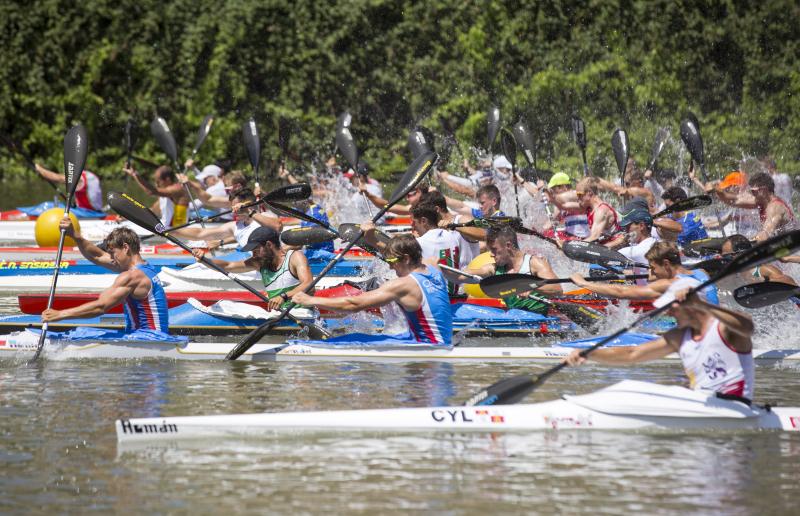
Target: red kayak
35 304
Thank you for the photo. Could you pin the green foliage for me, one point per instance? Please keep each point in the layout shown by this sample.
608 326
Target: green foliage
632 64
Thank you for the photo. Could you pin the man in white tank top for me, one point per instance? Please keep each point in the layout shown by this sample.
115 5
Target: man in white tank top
714 344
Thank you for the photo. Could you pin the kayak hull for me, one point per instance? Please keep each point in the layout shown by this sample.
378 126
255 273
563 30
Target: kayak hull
676 409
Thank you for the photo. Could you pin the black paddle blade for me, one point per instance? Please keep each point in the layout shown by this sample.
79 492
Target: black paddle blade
579 131
693 119
509 147
130 136
252 144
344 140
759 295
619 143
202 133
662 135
705 247
772 249
160 131
287 193
690 203
415 173
589 252
344 120
505 285
690 135
492 125
76 147
505 392
349 232
291 212
309 235
131 209
584 316
418 143
524 140
284 133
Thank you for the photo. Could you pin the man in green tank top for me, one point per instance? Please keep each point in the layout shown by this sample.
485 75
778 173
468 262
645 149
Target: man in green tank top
284 272
509 258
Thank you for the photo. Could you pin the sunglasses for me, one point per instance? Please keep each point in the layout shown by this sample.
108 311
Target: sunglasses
580 194
391 259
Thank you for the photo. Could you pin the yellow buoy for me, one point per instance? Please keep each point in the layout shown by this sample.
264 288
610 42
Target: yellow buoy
473 289
47 231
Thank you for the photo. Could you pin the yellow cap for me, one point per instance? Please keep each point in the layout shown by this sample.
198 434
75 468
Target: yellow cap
558 179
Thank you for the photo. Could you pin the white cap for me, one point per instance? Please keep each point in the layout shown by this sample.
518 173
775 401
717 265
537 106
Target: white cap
679 284
208 171
501 162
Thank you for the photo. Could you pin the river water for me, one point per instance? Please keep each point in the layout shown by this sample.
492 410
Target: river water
59 450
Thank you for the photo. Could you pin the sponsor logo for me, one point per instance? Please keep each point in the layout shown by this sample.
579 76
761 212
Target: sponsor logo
160 228
150 428
584 421
35 264
253 130
467 415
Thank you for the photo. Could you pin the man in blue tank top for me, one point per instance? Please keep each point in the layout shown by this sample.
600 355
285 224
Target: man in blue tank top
420 290
136 287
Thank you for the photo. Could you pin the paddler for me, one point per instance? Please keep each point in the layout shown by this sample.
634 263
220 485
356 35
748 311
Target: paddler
509 258
173 201
665 269
602 218
419 289
776 216
714 344
137 286
88 193
283 272
247 220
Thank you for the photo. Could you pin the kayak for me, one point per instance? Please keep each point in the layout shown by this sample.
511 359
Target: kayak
35 304
627 405
177 274
100 342
227 318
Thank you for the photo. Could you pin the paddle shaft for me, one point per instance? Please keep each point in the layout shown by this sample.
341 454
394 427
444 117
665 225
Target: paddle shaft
205 219
716 210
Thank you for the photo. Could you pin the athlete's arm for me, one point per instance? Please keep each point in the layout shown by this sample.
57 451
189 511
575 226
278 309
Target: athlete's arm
624 355
123 286
395 290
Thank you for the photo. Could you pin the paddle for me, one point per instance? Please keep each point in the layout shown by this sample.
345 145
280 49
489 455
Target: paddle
344 120
492 125
690 134
308 218
418 169
510 284
284 133
17 149
160 131
590 252
419 143
140 215
524 140
713 265
579 134
307 235
512 390
252 145
583 316
202 133
493 222
130 141
76 145
765 293
344 140
619 143
510 152
662 135
688 204
295 192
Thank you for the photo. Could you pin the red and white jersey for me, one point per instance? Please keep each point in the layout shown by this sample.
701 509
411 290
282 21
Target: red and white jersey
442 245
88 193
711 364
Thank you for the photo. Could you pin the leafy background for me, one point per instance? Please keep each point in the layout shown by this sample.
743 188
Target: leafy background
632 64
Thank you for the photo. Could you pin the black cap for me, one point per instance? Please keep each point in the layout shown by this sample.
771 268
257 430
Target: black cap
261 236
635 211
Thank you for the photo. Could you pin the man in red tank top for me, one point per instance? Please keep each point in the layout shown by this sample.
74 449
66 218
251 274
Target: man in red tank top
776 216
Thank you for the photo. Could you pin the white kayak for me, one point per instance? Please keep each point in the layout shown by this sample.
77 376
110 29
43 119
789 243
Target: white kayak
21 344
627 405
22 231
